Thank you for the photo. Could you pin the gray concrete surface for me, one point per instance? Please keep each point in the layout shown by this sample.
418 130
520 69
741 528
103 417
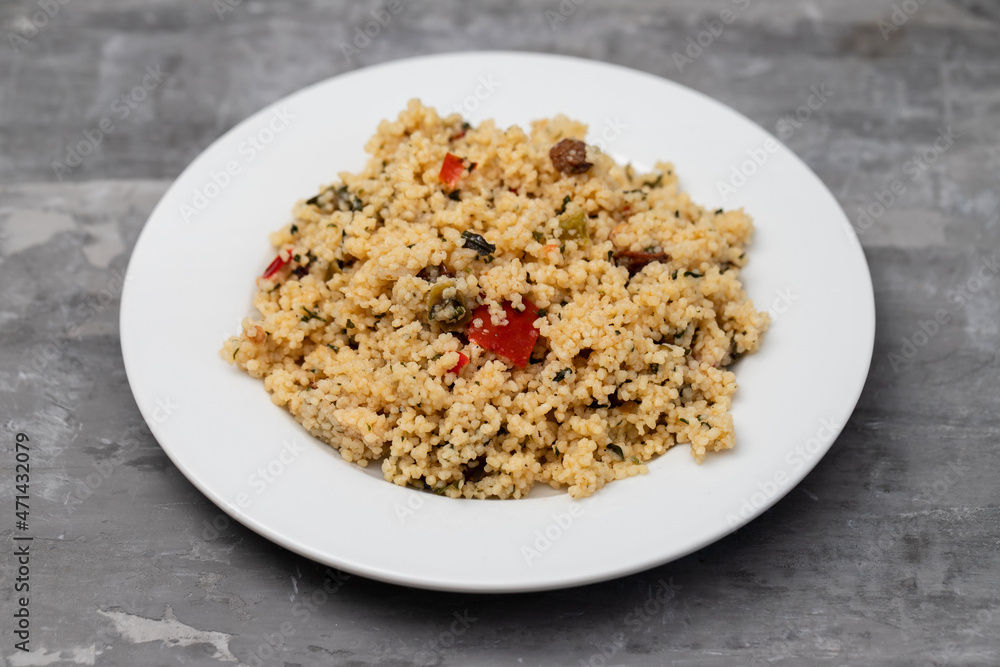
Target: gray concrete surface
887 554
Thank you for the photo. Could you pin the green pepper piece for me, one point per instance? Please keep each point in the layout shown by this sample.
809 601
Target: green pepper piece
573 226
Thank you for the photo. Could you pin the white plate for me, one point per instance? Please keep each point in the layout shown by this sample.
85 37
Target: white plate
191 279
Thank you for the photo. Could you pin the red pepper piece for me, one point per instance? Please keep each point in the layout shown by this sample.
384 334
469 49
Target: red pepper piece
451 170
462 361
515 340
277 264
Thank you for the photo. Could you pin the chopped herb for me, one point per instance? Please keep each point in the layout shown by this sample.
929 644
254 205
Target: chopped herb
635 460
294 229
310 315
538 236
617 451
654 368
617 332
333 347
656 183
411 245
561 375
350 324
455 195
718 211
474 241
542 312
440 492
693 274
611 254
685 421
234 353
562 209
677 214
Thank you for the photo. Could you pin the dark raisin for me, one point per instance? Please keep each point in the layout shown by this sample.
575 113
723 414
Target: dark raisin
570 156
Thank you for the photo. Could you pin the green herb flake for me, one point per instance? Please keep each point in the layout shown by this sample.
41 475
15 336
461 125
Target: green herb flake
693 274
234 353
350 324
538 236
310 315
542 312
565 202
294 229
617 452
561 375
441 491
685 421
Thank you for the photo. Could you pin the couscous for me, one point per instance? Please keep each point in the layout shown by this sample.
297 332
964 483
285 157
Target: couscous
483 309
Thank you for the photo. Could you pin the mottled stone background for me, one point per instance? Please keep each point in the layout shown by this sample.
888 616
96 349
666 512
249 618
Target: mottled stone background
887 554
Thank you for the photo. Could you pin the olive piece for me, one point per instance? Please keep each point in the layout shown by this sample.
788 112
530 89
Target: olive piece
446 306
